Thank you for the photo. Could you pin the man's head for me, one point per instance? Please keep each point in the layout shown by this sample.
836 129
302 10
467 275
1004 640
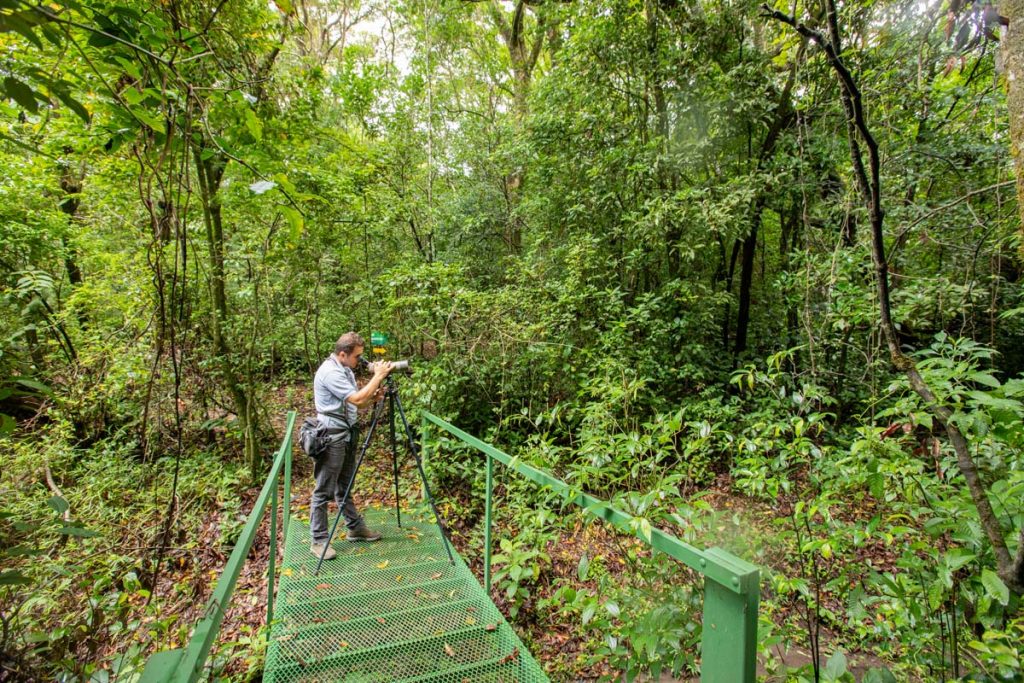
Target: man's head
348 348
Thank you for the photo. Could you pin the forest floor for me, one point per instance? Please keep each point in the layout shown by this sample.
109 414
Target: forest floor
557 642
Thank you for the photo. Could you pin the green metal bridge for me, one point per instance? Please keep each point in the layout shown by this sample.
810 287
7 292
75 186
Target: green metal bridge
400 610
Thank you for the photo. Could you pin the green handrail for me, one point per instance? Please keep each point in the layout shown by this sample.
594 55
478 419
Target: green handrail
186 665
731 585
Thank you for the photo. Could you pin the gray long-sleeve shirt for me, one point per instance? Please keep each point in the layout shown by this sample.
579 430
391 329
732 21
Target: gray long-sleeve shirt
333 384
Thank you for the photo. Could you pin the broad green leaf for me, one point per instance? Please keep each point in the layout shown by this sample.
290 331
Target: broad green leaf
835 666
73 104
645 529
253 124
583 568
613 608
21 93
152 120
78 531
588 613
984 378
7 424
33 384
59 505
22 23
14 578
995 587
878 675
295 222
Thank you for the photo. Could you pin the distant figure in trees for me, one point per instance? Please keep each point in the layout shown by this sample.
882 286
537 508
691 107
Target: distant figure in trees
337 398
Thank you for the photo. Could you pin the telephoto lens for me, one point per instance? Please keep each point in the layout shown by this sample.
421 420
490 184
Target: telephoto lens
396 366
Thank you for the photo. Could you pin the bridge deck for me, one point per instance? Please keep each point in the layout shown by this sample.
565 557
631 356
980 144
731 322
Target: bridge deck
394 610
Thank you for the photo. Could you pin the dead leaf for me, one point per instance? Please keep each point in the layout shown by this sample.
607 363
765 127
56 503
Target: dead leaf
323 586
343 643
491 627
384 564
471 609
449 650
470 621
437 575
380 620
398 578
510 657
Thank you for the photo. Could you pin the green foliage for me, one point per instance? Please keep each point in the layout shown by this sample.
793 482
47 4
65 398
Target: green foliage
195 204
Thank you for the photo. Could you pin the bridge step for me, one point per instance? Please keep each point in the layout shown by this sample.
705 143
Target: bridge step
394 610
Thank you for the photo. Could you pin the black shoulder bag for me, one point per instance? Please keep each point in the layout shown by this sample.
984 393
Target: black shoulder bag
313 436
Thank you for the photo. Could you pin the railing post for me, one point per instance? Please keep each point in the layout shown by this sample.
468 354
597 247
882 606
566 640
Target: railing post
424 439
487 523
286 512
273 553
729 639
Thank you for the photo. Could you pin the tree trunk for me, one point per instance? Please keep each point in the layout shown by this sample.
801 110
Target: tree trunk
1013 59
210 172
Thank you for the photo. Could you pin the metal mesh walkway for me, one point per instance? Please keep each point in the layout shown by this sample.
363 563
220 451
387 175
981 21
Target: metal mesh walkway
394 610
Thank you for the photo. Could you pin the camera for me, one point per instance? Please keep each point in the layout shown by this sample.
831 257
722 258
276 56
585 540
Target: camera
397 365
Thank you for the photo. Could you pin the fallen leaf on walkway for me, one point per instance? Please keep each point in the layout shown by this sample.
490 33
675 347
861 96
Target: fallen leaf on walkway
287 571
470 621
384 564
491 627
510 657
449 650
323 586
380 620
343 643
399 578
437 575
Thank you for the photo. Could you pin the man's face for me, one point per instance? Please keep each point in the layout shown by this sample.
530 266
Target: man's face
350 360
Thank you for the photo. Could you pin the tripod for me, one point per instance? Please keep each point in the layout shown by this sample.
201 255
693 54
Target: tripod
391 397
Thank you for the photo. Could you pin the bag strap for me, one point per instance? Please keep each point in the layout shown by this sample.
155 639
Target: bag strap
337 416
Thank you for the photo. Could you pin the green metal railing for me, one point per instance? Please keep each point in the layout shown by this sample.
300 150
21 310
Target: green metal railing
186 665
731 585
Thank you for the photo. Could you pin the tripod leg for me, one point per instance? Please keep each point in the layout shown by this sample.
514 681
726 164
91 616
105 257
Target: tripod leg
394 454
423 477
348 487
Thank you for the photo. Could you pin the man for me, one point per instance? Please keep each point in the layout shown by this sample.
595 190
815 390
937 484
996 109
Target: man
337 398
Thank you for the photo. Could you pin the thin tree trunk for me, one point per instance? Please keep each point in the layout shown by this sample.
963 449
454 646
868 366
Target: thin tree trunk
210 172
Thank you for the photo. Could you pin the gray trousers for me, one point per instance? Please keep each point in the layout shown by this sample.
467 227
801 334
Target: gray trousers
332 472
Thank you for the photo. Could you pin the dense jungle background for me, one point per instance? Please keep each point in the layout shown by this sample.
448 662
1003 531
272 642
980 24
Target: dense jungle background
752 273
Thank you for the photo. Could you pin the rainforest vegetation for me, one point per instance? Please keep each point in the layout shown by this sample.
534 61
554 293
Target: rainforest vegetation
752 273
